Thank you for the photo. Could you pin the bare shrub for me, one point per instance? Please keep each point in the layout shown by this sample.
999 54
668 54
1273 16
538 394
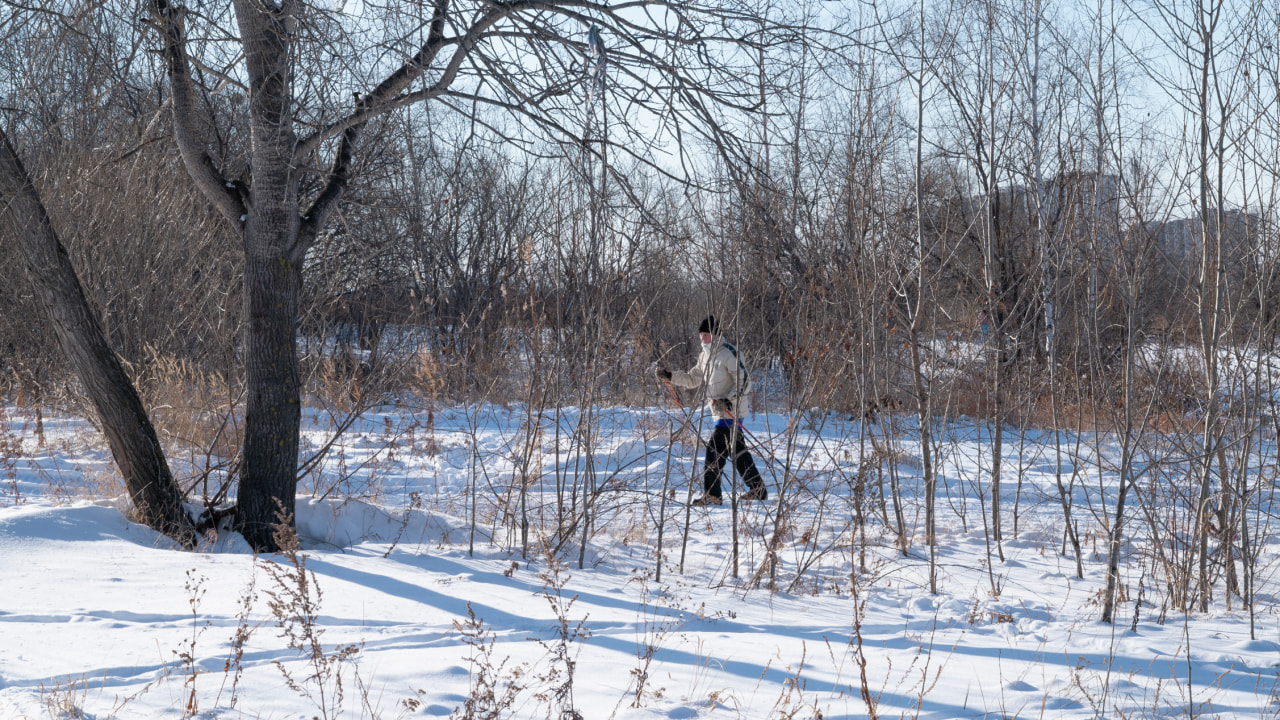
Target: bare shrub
791 701
294 601
195 409
656 625
93 481
493 688
426 376
199 415
186 652
562 650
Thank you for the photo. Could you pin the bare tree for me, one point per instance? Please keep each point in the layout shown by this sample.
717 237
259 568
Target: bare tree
1253 493
133 440
1208 40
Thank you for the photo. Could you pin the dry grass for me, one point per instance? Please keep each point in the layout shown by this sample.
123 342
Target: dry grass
1083 404
195 411
426 376
11 451
65 702
342 383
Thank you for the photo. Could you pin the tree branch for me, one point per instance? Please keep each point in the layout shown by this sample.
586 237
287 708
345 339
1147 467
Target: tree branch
383 98
340 172
335 186
227 197
387 96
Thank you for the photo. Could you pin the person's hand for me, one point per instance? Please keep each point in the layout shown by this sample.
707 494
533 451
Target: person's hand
722 406
663 374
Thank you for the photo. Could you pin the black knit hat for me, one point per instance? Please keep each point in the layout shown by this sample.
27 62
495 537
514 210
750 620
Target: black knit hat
709 325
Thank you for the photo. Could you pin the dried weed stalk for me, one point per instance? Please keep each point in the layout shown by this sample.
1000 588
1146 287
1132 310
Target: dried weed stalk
186 652
563 648
656 625
294 601
493 689
65 702
233 668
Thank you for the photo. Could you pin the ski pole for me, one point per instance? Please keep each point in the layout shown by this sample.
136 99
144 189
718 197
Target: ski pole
674 396
686 418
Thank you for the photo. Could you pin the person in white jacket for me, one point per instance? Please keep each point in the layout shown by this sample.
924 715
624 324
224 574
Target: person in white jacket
721 369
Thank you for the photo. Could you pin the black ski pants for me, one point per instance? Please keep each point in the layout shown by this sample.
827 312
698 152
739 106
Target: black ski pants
718 452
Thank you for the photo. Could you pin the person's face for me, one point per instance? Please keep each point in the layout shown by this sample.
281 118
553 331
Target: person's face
705 338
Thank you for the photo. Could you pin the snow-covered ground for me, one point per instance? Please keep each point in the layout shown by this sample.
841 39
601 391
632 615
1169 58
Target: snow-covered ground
422 597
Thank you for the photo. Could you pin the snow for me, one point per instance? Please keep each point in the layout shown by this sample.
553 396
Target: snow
101 616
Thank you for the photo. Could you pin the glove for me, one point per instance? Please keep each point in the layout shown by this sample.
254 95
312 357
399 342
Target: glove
663 374
722 406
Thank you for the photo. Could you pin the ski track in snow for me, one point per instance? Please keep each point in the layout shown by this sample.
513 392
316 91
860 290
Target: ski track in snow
96 603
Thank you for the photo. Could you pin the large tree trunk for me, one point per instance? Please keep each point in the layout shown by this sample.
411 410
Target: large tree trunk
129 432
268 483
273 256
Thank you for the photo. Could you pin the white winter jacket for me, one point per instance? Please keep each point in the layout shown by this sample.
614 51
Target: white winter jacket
721 368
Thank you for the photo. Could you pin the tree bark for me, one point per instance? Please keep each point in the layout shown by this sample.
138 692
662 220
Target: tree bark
274 250
132 438
273 409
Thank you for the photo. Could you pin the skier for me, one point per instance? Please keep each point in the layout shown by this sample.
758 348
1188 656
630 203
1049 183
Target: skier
728 393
